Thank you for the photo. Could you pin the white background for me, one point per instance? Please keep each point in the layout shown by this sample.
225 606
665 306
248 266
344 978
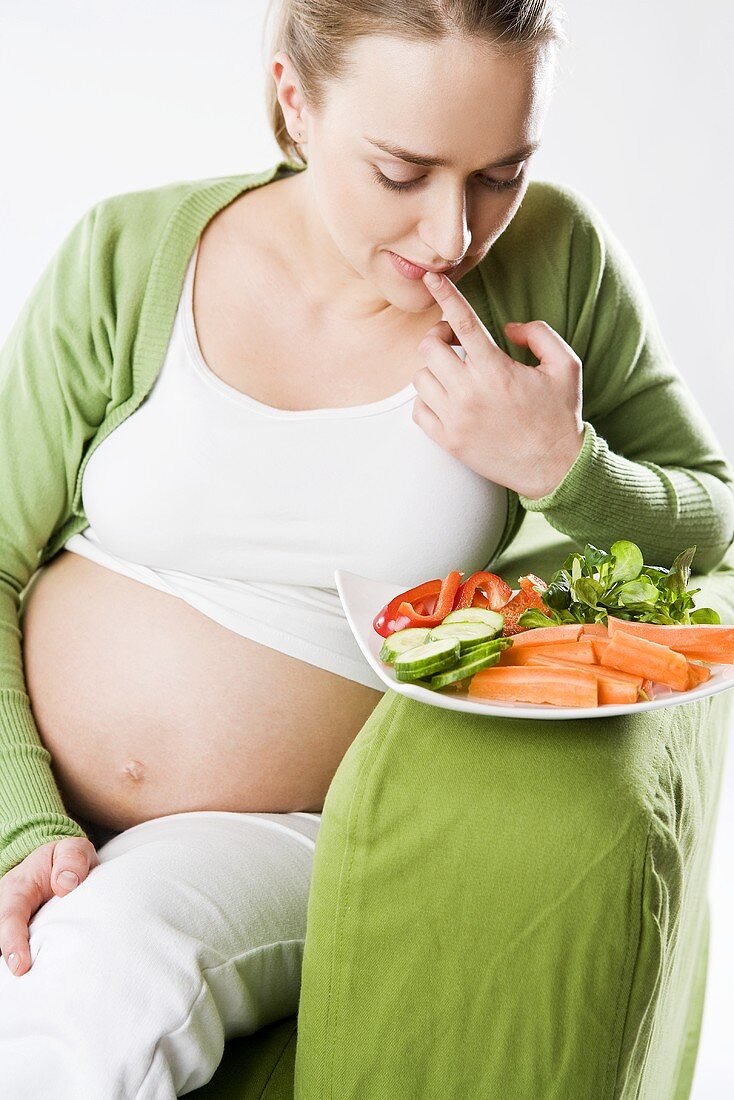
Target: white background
101 98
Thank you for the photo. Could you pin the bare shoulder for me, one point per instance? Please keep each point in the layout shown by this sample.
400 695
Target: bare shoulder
256 220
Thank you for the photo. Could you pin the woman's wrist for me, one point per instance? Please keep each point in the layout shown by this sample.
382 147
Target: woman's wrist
556 468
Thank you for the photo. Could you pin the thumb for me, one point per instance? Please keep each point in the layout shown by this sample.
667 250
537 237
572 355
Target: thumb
515 332
544 342
72 860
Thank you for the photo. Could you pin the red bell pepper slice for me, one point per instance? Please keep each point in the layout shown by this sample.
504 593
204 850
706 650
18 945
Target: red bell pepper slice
389 619
525 599
495 590
529 582
444 603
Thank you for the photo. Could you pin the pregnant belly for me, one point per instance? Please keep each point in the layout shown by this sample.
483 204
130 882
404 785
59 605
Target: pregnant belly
150 708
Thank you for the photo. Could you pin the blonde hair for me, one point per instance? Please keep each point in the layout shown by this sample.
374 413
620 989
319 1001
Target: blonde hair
317 34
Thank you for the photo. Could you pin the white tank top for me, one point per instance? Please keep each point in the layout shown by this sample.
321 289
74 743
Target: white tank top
244 510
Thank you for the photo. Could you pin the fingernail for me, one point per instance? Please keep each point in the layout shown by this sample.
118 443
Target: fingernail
432 278
14 962
68 880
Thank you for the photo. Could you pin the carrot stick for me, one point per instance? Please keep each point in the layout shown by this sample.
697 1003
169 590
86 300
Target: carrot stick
520 655
697 674
709 641
595 629
612 686
558 686
599 644
582 650
572 651
613 691
545 635
600 671
702 655
630 653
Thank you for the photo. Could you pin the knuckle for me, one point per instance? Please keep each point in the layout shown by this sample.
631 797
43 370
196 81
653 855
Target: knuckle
72 854
466 325
452 440
75 857
69 846
466 396
462 423
572 363
14 897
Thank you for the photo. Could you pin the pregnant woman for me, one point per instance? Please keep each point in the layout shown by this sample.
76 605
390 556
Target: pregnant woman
219 392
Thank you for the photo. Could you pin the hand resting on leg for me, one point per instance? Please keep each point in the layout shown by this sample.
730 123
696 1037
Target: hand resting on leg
30 884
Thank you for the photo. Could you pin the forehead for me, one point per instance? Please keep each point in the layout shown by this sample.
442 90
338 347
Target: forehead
456 98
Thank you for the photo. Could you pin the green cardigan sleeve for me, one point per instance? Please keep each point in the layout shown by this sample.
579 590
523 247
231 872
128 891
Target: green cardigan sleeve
650 468
55 367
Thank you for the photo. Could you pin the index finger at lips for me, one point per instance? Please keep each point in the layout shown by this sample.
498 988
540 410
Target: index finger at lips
471 333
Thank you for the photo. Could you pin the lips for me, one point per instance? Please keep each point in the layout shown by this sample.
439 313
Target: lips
422 267
408 268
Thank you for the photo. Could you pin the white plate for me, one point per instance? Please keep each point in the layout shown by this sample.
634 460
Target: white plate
363 597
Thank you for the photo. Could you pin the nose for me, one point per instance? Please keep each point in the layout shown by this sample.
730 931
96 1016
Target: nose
445 228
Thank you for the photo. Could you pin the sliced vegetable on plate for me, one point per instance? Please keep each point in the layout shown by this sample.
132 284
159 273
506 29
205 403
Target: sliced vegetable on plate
607 629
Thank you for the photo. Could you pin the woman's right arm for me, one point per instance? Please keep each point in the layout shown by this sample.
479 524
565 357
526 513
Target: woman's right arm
55 371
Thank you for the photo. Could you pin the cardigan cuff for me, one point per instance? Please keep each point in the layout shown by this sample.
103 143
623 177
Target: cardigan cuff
32 810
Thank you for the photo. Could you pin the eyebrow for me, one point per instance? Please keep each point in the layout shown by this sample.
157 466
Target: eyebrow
442 162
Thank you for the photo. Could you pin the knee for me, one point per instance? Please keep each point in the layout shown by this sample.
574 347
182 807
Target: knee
523 802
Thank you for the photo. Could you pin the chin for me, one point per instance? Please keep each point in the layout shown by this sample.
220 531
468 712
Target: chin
410 299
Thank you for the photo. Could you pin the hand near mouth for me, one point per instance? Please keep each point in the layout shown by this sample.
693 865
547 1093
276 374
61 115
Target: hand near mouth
516 425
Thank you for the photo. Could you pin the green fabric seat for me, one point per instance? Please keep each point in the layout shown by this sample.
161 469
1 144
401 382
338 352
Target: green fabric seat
505 908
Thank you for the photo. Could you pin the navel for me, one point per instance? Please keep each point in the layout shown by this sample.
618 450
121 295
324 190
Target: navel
133 770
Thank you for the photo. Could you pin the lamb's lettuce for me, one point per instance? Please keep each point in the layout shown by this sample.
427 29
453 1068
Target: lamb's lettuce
594 583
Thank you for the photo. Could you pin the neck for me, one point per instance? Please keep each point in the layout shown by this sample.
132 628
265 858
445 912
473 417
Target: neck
332 288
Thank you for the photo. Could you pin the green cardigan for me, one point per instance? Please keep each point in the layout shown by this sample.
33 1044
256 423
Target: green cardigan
91 337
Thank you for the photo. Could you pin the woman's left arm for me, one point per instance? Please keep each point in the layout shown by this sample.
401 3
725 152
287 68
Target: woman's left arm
603 435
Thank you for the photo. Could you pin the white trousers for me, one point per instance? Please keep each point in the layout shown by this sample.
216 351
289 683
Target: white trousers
189 932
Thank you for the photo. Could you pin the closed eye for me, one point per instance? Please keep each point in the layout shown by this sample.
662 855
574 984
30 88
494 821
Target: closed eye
486 181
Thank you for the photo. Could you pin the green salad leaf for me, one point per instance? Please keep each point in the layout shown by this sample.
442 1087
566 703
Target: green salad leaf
595 583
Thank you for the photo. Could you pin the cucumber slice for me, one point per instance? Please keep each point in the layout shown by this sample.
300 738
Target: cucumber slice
469 634
401 640
423 660
496 645
492 619
464 670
